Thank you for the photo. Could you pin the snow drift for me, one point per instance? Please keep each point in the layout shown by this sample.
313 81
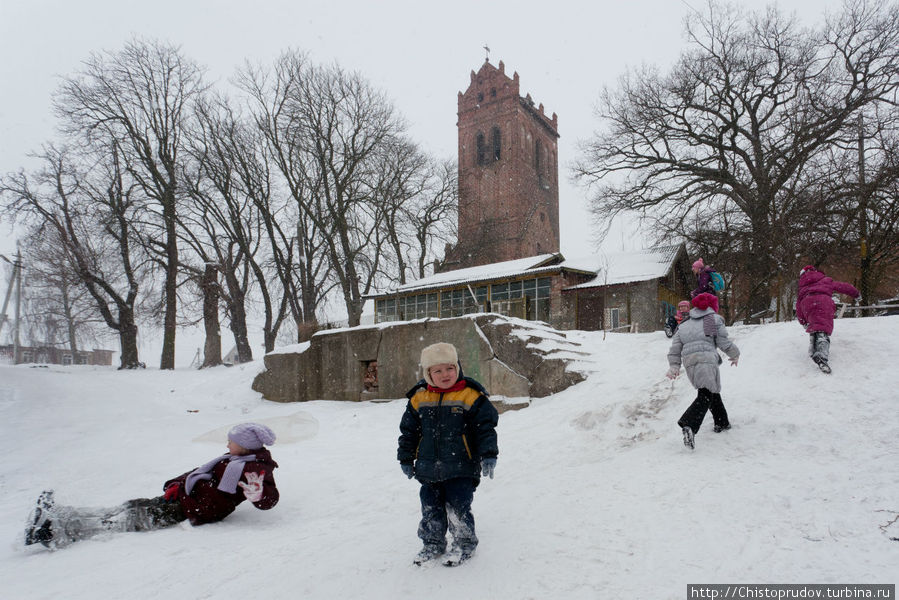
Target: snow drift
594 496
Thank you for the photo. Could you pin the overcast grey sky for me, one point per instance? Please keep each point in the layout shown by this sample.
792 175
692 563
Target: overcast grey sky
419 52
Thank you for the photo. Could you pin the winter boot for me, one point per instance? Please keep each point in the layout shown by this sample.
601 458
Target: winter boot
37 528
427 554
822 364
457 556
821 346
688 438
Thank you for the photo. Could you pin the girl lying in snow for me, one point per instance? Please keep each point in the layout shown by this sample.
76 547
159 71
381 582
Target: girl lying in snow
206 494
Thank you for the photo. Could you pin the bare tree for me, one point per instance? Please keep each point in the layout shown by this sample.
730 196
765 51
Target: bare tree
221 223
295 242
88 214
738 123
326 128
858 197
433 214
419 197
139 98
399 178
57 303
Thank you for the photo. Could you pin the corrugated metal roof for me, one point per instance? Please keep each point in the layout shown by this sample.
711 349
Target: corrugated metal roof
509 268
610 269
630 267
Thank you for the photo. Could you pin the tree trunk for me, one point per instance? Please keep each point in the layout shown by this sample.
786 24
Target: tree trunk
167 360
758 269
71 334
238 313
212 349
128 340
269 338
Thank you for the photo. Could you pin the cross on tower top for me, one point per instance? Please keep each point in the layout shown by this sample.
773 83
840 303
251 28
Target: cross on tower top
487 48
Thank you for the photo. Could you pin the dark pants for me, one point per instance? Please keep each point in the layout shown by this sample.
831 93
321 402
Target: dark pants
147 514
68 524
447 505
695 413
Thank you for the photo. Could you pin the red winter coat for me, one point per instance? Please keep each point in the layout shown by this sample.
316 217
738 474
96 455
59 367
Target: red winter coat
814 304
206 504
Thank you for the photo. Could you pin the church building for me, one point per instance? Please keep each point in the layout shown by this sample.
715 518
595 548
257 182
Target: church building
508 173
507 257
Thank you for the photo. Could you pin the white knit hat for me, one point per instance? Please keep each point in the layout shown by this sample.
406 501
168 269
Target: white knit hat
440 353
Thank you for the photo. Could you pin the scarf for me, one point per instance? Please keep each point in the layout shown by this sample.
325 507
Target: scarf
231 476
710 329
456 387
708 325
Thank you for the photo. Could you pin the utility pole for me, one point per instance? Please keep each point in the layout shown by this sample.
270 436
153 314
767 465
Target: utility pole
17 268
15 281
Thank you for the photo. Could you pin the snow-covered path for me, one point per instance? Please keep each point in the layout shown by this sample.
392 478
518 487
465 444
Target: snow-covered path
595 495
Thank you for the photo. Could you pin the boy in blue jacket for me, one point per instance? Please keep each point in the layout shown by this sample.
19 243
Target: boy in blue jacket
447 441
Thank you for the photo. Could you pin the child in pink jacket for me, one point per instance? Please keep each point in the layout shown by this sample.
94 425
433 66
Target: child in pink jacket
815 308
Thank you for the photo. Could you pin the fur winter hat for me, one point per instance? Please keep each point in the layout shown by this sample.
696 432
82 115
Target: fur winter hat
683 306
706 300
251 436
698 265
440 353
806 268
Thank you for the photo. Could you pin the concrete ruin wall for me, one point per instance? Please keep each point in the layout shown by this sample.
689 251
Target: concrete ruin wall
498 351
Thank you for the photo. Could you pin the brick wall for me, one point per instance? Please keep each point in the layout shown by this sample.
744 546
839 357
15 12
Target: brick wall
508 173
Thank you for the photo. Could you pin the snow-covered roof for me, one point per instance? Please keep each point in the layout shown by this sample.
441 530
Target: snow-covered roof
628 267
609 269
521 266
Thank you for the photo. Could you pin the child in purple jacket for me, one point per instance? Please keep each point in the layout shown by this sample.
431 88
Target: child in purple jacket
206 494
703 274
815 308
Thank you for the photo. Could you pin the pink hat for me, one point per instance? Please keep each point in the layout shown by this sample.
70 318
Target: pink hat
683 305
706 300
698 265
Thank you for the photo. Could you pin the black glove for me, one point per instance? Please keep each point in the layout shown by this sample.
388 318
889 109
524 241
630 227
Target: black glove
408 470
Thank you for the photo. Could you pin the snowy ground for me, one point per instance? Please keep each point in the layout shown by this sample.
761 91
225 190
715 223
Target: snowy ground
594 497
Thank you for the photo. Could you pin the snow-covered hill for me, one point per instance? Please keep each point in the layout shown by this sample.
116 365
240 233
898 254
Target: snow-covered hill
594 497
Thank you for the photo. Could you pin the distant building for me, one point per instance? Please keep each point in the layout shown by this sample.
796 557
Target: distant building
56 356
638 290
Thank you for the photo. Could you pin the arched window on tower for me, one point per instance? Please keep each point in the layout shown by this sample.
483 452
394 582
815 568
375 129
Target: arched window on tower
482 149
497 143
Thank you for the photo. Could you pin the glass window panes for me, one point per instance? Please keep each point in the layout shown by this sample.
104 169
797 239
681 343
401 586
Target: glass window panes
431 305
543 285
387 310
460 301
452 303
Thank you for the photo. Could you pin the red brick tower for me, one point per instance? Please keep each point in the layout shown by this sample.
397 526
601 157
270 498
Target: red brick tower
508 173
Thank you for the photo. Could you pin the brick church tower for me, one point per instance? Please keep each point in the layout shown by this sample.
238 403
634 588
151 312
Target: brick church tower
508 173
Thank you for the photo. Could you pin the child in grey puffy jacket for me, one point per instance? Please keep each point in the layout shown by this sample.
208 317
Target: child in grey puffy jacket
695 344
